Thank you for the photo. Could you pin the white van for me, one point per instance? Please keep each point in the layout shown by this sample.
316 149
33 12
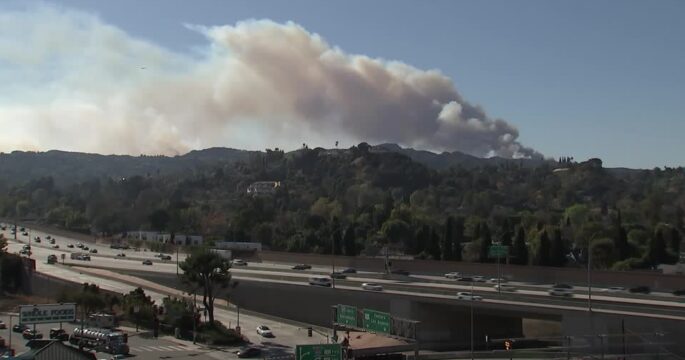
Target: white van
320 281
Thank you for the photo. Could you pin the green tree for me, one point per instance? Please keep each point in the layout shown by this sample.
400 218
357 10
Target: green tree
349 239
542 255
433 246
421 239
159 220
676 239
458 239
557 250
603 253
577 214
208 271
485 242
448 239
621 244
520 249
656 251
336 237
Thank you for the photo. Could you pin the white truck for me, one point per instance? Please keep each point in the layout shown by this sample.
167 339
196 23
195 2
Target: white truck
101 340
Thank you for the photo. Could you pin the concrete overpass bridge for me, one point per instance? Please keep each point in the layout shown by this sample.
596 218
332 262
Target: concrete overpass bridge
446 321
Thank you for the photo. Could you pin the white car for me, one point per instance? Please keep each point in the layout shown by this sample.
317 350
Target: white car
504 287
615 289
320 281
560 292
468 296
495 280
478 278
239 262
453 275
264 331
372 287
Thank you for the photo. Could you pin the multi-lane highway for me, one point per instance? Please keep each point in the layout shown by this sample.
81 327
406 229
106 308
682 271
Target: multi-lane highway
287 334
655 305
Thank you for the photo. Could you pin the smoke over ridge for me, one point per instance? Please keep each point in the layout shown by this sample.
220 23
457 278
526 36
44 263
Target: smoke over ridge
76 83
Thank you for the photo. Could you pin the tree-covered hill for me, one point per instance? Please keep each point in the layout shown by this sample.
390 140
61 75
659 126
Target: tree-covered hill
358 200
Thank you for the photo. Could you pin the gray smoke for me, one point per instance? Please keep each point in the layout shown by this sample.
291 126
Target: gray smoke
84 85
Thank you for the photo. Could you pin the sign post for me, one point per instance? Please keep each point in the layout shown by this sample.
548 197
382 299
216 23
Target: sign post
47 313
318 352
347 315
377 321
498 251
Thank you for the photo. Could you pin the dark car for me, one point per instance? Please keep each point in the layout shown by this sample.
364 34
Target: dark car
349 271
147 262
640 290
302 267
465 278
249 352
562 286
31 334
19 328
400 272
680 292
338 275
93 251
70 246
59 334
165 257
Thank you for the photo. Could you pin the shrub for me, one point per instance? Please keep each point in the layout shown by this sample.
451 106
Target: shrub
218 334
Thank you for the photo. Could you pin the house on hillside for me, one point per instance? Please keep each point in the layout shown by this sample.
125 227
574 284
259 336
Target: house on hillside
263 188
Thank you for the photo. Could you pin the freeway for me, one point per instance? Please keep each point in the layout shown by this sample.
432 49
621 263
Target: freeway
287 334
105 251
539 298
534 295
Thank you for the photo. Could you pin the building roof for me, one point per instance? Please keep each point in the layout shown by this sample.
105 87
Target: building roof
37 347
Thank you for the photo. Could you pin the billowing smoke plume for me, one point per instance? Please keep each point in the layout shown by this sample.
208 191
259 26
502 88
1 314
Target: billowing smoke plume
72 82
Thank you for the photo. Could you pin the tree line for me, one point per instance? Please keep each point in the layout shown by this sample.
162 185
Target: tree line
361 201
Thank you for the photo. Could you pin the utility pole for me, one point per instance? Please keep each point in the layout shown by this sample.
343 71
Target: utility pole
589 280
194 315
499 276
471 318
333 261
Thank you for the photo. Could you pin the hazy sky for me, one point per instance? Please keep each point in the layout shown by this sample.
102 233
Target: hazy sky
579 78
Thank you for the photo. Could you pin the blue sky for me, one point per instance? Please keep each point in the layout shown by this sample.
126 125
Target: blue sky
581 78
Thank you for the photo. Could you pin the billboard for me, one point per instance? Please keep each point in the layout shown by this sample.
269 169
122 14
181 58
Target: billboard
47 313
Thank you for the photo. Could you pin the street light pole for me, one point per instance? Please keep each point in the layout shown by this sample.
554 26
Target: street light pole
589 279
471 318
333 261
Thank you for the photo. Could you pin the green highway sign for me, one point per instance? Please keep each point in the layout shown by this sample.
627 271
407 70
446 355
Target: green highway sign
347 315
318 352
377 321
498 251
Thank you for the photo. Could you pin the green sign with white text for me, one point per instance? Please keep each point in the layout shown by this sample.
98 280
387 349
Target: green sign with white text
347 315
377 321
495 251
318 352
